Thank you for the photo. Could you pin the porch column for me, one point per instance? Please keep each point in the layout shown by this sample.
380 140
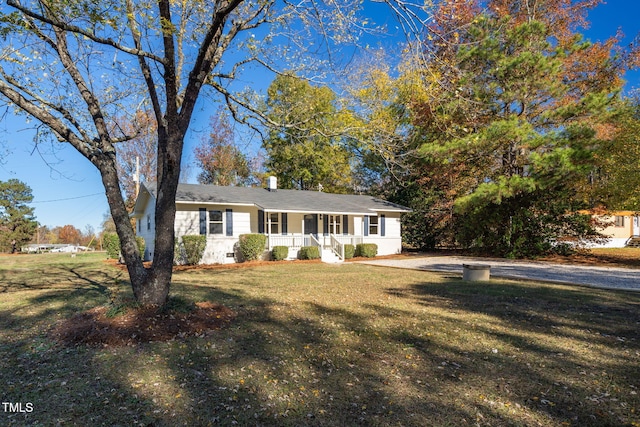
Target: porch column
268 223
268 215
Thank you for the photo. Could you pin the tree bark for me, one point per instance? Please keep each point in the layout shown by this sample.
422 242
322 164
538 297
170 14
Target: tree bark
150 285
172 106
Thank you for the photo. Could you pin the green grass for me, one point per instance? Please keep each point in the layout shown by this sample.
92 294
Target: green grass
315 344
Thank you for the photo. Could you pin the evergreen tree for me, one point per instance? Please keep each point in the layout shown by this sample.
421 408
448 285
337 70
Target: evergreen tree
17 223
519 132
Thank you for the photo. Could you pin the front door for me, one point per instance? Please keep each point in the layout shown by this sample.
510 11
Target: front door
311 224
636 225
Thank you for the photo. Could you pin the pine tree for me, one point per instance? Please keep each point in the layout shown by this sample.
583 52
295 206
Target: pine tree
517 127
17 222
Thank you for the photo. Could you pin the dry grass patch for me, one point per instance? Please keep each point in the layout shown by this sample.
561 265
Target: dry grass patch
313 344
613 257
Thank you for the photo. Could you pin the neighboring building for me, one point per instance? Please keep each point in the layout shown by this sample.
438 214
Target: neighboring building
290 218
57 247
620 227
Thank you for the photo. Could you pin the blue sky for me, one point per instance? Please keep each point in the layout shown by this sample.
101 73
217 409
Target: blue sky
67 189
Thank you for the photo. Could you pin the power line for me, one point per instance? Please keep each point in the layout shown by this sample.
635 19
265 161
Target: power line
69 198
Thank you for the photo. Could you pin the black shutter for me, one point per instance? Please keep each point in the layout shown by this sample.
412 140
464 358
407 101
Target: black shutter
229 222
261 221
345 224
366 225
284 218
315 224
325 225
203 221
382 225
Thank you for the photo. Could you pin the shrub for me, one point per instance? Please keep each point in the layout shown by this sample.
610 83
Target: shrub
141 245
178 253
367 250
278 253
194 248
349 251
252 246
309 252
111 243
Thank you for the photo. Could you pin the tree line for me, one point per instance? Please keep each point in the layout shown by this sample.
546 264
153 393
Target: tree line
501 129
496 122
19 225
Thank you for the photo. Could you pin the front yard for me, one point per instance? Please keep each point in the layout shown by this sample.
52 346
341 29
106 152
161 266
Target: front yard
315 344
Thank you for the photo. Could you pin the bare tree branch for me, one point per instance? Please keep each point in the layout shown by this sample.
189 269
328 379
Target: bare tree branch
77 30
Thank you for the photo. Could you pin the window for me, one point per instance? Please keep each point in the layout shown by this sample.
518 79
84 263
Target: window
373 225
215 222
148 222
619 221
273 219
334 224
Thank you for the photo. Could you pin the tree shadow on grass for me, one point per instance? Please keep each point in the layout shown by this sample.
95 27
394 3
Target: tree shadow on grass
317 365
62 276
65 290
570 354
561 309
272 366
283 362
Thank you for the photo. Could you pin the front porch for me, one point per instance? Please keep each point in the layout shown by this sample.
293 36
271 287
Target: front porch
327 231
330 231
331 246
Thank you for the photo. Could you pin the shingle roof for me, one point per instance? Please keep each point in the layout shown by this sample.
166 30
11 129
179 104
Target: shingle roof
282 200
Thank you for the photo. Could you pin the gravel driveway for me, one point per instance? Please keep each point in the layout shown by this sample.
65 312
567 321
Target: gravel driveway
599 277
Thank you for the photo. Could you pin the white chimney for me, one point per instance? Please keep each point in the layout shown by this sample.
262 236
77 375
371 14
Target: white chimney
272 183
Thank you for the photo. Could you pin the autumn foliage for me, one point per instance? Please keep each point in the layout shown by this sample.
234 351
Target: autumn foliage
220 160
508 113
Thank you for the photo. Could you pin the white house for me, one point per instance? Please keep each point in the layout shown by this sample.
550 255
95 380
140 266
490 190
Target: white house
290 218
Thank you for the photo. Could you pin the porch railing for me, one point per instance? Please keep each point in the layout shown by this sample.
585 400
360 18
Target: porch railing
295 241
337 247
299 240
349 240
314 242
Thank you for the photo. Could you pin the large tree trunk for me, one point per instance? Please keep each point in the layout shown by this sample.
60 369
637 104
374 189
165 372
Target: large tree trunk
128 245
172 105
156 284
150 285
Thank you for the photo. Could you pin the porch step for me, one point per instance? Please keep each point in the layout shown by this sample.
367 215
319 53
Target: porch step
329 256
633 242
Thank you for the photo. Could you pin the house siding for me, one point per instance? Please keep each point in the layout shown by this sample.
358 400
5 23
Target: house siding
617 234
241 218
219 246
618 228
147 232
391 242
